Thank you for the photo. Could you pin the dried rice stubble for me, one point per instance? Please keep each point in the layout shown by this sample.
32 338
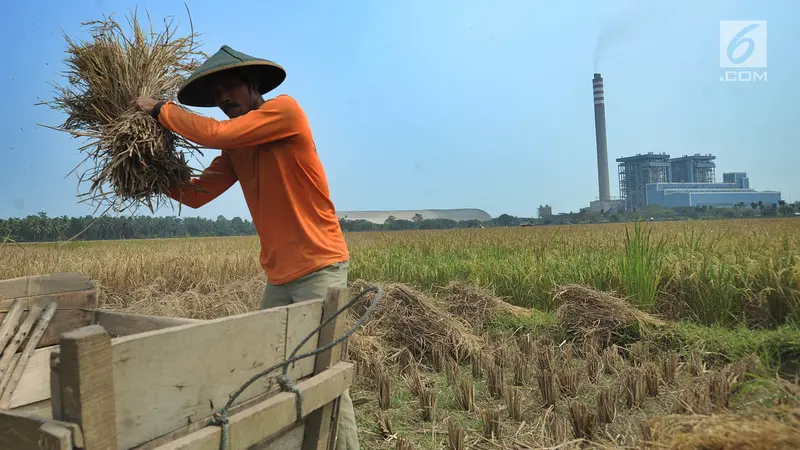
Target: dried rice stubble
492 424
455 437
465 394
584 421
129 150
427 403
384 390
403 444
384 424
594 366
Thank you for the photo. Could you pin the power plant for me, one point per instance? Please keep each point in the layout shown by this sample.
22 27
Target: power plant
657 179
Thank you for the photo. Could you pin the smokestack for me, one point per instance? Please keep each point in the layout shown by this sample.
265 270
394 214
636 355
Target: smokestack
600 137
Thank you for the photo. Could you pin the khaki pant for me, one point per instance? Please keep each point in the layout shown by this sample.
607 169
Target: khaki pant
313 286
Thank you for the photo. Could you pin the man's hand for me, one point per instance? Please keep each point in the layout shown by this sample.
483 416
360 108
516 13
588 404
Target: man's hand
145 104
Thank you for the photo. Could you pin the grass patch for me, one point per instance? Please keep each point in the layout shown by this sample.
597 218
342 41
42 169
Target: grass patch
778 349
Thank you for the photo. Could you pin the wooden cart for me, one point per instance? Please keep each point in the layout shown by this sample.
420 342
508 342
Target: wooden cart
100 380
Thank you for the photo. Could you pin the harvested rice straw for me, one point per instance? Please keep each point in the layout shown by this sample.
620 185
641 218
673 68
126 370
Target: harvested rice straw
130 151
455 437
491 423
427 402
384 424
584 421
384 389
403 444
514 403
587 311
761 429
465 395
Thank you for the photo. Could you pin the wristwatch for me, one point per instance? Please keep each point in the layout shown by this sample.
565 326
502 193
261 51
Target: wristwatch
157 109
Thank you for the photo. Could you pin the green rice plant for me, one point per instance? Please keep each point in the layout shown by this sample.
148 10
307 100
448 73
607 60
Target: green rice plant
640 266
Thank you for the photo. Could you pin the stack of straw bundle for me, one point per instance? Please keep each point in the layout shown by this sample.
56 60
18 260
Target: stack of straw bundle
130 151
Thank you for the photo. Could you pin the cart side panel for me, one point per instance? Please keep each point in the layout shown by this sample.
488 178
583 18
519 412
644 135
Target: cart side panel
166 379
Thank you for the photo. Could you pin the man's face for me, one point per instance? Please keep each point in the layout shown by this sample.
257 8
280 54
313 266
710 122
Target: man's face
231 94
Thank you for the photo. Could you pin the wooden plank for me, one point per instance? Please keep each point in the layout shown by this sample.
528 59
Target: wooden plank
10 322
39 409
87 386
7 359
23 431
20 431
54 437
44 284
193 372
253 425
318 429
291 439
24 357
296 330
125 324
301 322
73 312
34 385
85 299
63 322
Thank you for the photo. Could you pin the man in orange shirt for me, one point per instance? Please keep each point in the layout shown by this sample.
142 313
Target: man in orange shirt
267 146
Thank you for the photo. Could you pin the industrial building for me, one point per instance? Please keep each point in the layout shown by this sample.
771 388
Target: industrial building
658 179
689 180
670 195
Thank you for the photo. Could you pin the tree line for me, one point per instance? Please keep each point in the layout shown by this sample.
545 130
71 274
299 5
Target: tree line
42 228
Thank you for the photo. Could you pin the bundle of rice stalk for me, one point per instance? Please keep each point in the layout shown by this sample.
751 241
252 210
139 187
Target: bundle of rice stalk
774 429
477 305
409 318
127 149
586 312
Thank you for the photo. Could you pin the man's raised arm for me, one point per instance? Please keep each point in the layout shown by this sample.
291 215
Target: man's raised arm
276 119
214 180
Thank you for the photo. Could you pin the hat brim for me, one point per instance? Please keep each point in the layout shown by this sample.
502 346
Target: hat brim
197 92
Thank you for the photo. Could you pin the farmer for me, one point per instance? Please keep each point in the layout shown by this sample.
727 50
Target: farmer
267 146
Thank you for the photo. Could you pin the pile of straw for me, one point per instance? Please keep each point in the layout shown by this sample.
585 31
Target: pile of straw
408 318
587 311
774 429
128 149
477 305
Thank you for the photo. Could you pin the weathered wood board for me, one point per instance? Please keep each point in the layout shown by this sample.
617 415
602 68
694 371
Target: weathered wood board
196 368
125 324
74 293
34 386
272 416
38 285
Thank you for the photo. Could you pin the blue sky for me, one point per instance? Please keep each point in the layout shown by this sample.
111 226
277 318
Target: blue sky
447 103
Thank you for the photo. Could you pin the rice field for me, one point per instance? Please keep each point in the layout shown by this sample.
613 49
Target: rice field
708 272
447 361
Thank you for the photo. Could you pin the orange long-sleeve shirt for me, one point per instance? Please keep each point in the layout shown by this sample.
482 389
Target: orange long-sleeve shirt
272 154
